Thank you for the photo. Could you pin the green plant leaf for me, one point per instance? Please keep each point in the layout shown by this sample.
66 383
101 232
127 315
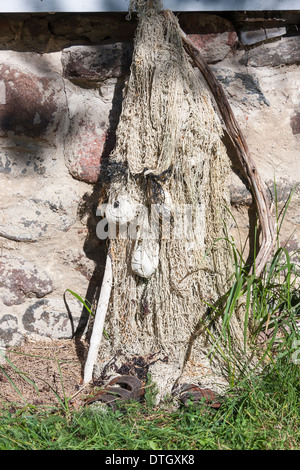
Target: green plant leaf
83 301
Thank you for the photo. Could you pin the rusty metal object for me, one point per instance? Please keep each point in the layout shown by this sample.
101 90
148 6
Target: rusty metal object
189 393
130 383
130 388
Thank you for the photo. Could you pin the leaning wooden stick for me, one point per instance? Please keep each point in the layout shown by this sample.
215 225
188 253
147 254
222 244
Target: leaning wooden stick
99 321
259 193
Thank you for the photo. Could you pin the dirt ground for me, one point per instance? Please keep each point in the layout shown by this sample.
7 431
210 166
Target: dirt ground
47 373
54 369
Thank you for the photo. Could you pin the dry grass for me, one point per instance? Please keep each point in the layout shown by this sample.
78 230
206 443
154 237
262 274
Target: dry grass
54 366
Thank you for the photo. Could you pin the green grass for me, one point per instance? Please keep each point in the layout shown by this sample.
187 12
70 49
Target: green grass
261 412
266 304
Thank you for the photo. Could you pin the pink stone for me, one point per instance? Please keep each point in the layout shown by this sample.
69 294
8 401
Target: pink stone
87 153
214 47
213 35
22 279
30 105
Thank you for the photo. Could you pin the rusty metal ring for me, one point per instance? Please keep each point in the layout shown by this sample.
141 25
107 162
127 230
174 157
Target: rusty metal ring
133 389
134 385
190 393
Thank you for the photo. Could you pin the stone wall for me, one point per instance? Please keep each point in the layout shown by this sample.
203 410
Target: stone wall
61 82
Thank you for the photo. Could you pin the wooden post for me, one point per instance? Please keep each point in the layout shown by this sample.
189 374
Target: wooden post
99 321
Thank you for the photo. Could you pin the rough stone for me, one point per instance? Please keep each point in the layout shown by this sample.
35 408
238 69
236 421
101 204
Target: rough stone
283 52
213 35
284 188
52 317
295 122
35 35
85 162
51 33
264 106
33 114
92 29
6 30
240 196
21 280
20 159
241 85
78 260
22 222
88 136
214 47
49 209
30 105
88 66
9 332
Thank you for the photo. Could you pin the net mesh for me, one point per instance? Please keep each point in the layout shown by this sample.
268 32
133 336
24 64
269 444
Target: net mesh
168 152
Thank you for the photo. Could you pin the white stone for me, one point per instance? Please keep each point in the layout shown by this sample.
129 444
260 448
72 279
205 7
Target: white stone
121 209
145 258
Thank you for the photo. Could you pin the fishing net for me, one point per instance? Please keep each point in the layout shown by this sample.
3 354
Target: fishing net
167 193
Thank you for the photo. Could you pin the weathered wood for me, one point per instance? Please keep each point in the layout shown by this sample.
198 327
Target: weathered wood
248 165
99 321
248 36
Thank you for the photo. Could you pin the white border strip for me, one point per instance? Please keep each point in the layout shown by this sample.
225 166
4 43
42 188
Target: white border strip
85 6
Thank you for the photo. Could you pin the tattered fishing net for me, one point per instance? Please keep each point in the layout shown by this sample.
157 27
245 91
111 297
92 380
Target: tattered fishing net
167 200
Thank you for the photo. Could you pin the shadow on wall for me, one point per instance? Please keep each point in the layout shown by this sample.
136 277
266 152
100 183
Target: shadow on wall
94 248
34 124
31 118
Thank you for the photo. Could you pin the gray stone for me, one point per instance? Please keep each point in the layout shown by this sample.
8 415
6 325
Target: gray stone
50 317
6 164
78 260
240 196
284 189
248 38
23 222
88 66
284 52
275 32
22 159
244 87
48 210
10 334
